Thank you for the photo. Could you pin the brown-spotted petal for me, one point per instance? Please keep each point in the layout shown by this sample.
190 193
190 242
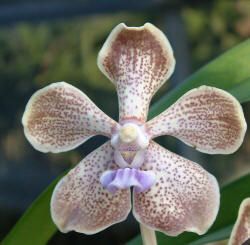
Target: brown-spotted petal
207 118
80 203
241 229
185 197
138 60
60 117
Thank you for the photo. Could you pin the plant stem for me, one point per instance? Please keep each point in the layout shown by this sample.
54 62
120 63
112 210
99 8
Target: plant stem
148 235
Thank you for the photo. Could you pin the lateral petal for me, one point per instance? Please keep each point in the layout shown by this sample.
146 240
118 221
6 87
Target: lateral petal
60 117
127 177
206 118
138 60
80 202
185 197
241 230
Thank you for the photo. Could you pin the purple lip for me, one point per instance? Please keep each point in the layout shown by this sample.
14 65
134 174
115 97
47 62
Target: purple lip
127 177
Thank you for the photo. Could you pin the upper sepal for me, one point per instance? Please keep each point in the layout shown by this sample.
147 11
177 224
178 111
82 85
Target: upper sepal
138 60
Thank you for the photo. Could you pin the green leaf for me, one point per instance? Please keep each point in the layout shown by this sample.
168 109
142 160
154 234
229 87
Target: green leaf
241 91
35 226
231 197
228 71
217 235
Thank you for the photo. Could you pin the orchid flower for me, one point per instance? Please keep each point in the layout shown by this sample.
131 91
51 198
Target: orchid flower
241 229
171 194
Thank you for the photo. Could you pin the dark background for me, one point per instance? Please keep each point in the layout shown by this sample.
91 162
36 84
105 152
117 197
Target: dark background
48 41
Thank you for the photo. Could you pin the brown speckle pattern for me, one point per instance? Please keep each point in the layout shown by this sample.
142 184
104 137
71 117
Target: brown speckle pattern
138 61
80 202
184 197
59 117
241 230
207 118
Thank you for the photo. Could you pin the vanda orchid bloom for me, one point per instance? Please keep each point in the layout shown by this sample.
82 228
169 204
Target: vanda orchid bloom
171 194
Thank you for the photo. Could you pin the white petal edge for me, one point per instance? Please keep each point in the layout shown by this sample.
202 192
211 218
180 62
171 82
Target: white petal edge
237 238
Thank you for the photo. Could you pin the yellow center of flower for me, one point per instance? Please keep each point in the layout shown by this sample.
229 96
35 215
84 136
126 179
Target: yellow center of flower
128 133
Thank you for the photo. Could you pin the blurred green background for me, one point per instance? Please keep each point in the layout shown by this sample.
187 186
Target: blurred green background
37 49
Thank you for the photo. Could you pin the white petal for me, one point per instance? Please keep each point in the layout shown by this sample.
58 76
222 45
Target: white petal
206 118
80 203
60 117
184 197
